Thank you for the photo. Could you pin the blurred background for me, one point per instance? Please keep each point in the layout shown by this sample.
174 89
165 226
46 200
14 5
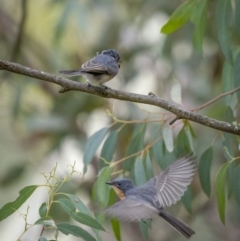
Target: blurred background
40 127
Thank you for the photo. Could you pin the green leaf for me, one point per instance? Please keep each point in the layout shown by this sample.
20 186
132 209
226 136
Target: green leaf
102 187
144 226
80 206
46 221
92 145
11 207
199 17
168 138
43 210
227 80
136 144
237 17
187 200
182 143
148 166
223 23
220 190
139 172
83 218
231 171
157 150
179 17
68 228
236 73
189 136
42 239
204 170
116 229
237 184
176 93
109 148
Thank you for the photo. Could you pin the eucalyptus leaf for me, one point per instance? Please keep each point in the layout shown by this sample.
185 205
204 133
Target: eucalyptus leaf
11 207
92 145
67 228
204 170
220 190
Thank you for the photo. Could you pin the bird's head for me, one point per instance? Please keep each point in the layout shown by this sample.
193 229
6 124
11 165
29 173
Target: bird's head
121 186
113 53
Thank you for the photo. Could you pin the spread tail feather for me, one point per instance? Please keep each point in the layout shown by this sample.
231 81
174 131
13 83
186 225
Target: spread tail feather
177 224
70 72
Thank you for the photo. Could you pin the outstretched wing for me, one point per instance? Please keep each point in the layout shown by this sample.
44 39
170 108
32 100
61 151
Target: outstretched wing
171 184
129 210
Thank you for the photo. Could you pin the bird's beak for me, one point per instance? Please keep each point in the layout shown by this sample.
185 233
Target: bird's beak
109 183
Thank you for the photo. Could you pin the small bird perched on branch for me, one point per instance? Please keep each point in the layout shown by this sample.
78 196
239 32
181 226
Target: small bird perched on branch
98 70
147 201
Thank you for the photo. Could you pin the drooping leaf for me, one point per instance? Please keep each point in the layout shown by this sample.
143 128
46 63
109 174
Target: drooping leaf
187 200
237 17
109 148
236 73
136 144
168 138
199 17
223 23
179 17
182 143
92 145
189 136
220 190
139 172
148 166
78 216
237 184
11 207
176 93
230 178
145 226
157 150
102 189
116 229
68 228
80 206
205 169
227 80
47 221
43 210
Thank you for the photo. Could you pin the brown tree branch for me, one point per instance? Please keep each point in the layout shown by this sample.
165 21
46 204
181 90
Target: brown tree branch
150 99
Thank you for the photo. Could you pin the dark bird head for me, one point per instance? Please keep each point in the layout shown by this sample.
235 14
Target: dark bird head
121 186
113 53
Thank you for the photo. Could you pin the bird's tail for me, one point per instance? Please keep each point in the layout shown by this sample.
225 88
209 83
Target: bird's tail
177 224
70 72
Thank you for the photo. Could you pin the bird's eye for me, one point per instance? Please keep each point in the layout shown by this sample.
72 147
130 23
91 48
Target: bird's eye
119 184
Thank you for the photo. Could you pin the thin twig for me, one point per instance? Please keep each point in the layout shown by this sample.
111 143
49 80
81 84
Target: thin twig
196 109
68 85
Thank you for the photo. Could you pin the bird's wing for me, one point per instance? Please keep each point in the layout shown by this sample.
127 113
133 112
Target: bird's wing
171 184
101 64
129 210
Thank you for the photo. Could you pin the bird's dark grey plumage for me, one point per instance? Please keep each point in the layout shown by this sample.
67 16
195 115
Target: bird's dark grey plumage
147 201
98 70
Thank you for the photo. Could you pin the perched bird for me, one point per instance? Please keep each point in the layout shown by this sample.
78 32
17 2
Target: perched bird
147 201
98 70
